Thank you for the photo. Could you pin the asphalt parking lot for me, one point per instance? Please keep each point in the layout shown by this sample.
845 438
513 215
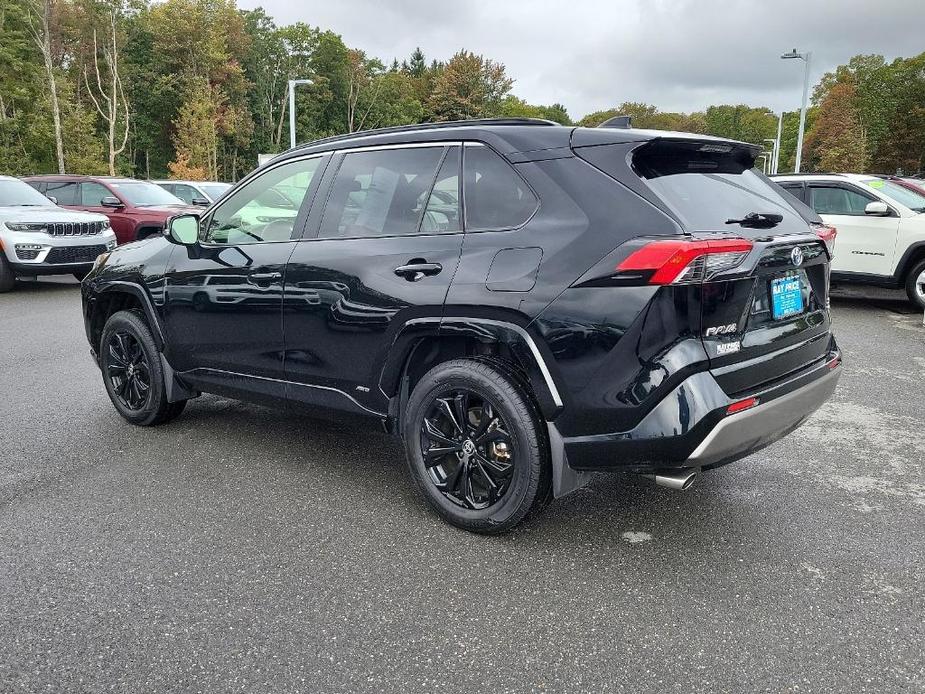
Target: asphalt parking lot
241 549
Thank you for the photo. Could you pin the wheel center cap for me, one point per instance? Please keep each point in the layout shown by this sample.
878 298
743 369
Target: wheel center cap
131 369
468 447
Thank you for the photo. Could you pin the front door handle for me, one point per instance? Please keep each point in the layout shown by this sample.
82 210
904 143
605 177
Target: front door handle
418 270
264 277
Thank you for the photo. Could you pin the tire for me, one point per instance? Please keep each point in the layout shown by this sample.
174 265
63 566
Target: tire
79 276
915 284
7 276
488 480
127 347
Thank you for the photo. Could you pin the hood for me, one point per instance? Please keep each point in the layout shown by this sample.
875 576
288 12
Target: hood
47 214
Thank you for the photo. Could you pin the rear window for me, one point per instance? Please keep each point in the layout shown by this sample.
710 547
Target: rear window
706 184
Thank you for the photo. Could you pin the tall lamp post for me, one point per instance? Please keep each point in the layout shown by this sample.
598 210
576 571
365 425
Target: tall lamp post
292 85
805 57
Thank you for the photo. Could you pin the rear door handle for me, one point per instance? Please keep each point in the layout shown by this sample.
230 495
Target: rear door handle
418 270
264 277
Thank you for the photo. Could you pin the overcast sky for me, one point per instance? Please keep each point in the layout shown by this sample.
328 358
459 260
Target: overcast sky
681 55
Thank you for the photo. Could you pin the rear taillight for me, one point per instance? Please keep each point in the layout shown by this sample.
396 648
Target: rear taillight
827 234
686 262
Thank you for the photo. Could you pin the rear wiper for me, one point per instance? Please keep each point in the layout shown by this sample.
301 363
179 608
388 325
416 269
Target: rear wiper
758 220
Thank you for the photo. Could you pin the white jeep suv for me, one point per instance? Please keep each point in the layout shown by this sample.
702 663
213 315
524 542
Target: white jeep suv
39 238
881 228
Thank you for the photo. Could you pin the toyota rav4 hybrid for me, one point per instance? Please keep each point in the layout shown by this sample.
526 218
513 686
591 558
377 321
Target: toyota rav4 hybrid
136 209
522 303
881 228
39 238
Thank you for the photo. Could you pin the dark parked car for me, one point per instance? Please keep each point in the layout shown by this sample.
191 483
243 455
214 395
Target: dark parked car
523 303
136 209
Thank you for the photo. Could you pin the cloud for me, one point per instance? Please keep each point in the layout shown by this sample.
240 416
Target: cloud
679 55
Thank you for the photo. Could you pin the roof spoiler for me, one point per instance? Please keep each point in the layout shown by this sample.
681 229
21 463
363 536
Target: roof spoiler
617 122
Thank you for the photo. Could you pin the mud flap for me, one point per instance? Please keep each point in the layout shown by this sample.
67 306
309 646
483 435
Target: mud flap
565 480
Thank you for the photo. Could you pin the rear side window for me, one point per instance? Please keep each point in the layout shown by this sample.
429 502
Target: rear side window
380 192
64 192
496 197
707 184
837 200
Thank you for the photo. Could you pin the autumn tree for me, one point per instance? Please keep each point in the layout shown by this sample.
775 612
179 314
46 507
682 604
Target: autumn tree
470 86
837 142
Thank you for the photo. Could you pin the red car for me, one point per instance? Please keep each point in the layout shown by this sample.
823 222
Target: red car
136 209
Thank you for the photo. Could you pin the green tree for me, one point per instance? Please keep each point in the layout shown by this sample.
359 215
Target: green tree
837 142
470 86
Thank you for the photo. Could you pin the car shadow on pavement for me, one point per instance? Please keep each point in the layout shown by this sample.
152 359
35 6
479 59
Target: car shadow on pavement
46 285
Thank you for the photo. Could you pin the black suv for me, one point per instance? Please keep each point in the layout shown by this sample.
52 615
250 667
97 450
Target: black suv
523 303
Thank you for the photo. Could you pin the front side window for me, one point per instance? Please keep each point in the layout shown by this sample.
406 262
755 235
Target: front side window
92 194
836 200
380 192
496 196
264 209
65 192
185 193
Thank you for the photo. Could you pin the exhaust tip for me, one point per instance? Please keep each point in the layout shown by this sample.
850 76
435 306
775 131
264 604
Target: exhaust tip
680 480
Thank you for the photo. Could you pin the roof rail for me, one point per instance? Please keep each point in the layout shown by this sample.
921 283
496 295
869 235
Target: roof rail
618 122
425 126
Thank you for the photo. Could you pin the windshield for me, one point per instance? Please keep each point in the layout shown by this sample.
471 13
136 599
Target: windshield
214 190
144 194
20 194
904 196
713 187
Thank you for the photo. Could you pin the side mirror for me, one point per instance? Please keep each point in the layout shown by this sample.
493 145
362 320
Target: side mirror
201 202
877 208
183 229
111 201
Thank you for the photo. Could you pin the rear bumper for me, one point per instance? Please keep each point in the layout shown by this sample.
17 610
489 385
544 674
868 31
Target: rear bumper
690 428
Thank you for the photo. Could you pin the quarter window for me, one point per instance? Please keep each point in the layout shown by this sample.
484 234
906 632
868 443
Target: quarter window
380 192
265 209
496 196
835 200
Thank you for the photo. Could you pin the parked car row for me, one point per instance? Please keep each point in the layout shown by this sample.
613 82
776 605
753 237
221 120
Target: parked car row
54 225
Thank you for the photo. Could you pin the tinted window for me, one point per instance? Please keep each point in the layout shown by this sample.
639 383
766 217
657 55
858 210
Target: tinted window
834 200
91 194
64 192
496 196
706 184
442 212
185 193
380 193
264 209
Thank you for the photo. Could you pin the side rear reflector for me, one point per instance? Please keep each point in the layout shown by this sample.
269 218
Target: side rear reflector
686 262
746 404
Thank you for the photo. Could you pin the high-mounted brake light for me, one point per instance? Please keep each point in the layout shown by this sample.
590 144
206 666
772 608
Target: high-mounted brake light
827 233
686 262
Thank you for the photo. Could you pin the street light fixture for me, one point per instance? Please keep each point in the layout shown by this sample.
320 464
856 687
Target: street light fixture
805 57
292 85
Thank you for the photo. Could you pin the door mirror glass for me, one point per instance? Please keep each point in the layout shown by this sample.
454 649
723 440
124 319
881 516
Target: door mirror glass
111 201
877 209
183 229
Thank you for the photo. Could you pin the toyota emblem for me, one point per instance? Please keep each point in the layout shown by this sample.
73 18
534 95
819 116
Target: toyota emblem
796 255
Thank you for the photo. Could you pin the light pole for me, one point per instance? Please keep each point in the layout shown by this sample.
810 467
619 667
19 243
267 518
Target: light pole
805 57
780 125
773 153
292 85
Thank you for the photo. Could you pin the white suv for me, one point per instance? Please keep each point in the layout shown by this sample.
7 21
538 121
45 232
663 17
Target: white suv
881 228
39 238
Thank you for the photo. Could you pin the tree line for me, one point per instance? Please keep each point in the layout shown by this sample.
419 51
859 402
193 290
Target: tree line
198 88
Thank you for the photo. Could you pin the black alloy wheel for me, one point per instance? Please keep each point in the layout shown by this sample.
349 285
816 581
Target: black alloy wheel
127 370
467 450
476 445
132 371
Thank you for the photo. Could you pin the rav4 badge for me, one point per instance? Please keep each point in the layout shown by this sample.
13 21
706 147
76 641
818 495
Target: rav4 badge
721 329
